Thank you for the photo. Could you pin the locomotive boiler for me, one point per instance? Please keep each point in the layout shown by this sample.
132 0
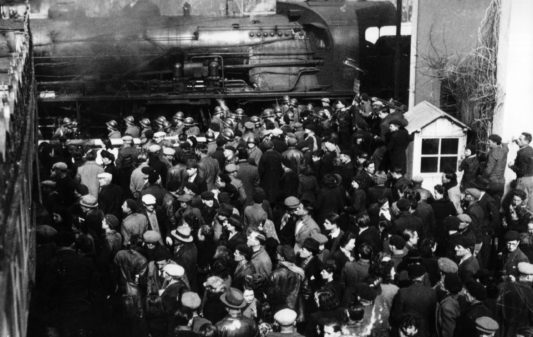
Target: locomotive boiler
305 49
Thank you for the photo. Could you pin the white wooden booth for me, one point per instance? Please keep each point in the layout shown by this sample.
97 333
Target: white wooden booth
438 145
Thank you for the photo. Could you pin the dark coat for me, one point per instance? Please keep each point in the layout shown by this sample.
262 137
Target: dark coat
249 175
187 257
270 172
69 284
408 221
376 193
491 209
330 199
416 299
396 146
160 168
284 286
237 327
467 321
523 164
425 213
240 273
448 311
110 200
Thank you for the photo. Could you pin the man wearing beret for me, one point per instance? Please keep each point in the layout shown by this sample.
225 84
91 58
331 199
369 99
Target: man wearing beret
514 255
515 303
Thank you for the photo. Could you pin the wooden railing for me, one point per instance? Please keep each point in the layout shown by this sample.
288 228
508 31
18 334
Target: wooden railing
17 168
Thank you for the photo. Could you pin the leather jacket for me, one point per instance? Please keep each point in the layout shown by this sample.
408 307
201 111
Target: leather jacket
284 285
237 326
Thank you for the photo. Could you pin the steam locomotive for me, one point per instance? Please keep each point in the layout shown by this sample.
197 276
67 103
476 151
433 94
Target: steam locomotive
308 48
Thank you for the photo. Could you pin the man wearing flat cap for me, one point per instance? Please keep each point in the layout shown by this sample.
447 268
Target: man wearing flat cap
235 324
515 303
288 221
486 326
285 319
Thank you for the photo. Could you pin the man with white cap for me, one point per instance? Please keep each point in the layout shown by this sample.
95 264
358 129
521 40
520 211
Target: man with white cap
157 219
285 319
175 283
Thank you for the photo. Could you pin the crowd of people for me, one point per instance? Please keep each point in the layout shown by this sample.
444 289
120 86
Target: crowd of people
298 221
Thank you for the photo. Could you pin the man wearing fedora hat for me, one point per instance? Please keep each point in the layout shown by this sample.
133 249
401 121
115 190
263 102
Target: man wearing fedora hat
184 249
235 324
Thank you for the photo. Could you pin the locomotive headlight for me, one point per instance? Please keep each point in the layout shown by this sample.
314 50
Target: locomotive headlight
251 34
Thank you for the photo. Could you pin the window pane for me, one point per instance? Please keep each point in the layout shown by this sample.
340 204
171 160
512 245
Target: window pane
448 164
429 164
430 146
449 146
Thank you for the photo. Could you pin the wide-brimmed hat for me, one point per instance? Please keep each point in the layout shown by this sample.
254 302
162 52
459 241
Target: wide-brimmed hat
233 298
180 236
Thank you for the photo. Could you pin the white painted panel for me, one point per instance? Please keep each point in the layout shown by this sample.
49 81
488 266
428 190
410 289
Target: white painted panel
442 127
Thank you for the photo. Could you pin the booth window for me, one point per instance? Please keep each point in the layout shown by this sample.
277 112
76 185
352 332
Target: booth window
439 155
